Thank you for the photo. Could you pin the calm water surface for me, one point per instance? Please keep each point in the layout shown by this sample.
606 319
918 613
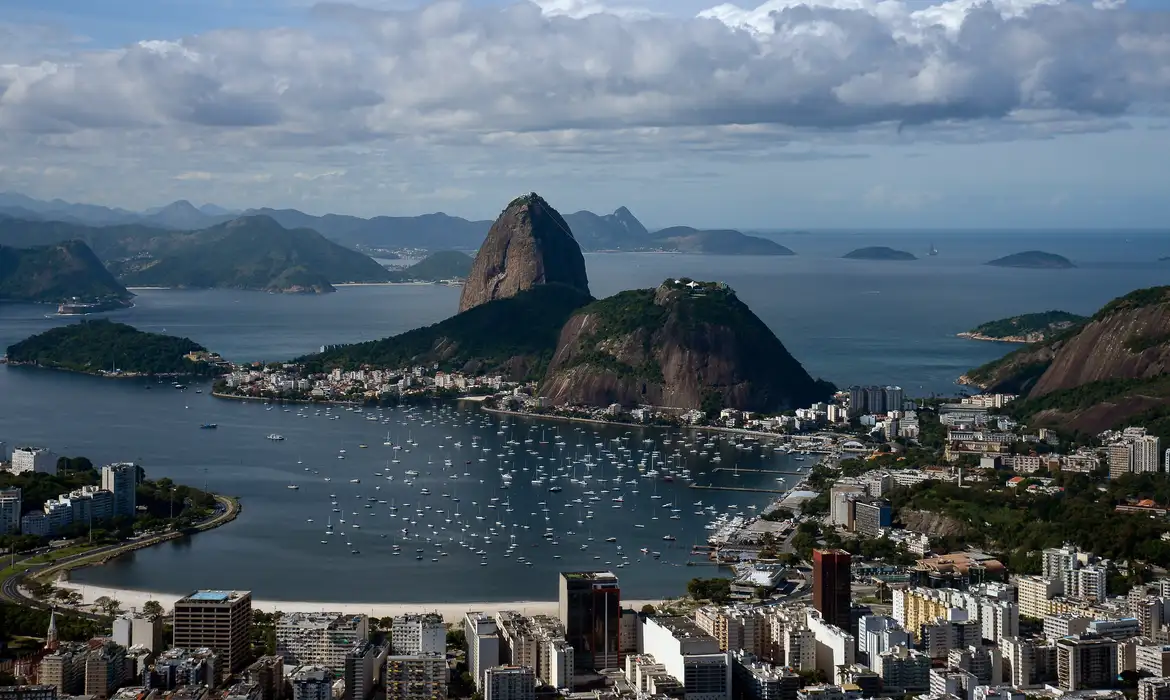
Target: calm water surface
847 321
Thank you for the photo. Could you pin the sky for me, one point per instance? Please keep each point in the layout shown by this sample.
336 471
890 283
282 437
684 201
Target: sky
762 114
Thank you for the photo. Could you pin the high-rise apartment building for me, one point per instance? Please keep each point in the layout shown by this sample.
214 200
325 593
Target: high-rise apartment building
364 665
319 639
133 629
832 586
218 620
1120 459
28 692
411 635
590 610
64 669
122 481
509 683
105 670
10 505
1085 663
33 460
416 677
311 683
483 644
1147 454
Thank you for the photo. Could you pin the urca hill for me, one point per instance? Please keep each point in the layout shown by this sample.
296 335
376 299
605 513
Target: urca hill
526 312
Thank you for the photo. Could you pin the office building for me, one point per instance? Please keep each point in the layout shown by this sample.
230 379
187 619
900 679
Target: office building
590 609
28 692
319 639
33 460
483 645
10 505
218 620
688 655
311 683
122 481
509 683
1085 663
133 629
832 586
871 517
411 635
902 670
364 665
417 677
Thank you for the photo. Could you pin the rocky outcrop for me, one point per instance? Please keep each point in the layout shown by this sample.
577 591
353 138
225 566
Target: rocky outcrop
684 345
528 245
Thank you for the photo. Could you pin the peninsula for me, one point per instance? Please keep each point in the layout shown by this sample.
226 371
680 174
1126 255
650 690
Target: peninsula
108 349
1026 328
879 253
1033 260
443 266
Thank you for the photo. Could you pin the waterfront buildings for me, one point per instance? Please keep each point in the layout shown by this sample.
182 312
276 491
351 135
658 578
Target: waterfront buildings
37 460
320 639
218 620
122 481
832 586
418 677
509 683
10 504
364 665
589 607
418 634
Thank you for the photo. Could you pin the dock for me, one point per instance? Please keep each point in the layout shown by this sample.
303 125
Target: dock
784 472
736 488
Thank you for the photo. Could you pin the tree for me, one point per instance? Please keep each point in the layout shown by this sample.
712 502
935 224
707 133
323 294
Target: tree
456 638
649 609
716 590
108 605
152 609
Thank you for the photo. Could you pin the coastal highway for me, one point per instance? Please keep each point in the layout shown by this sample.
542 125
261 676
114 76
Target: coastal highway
226 510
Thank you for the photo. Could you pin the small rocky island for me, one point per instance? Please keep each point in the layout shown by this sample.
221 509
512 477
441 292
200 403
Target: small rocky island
1033 260
879 253
1026 328
108 349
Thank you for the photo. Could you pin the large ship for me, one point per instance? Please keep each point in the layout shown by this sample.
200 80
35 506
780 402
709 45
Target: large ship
81 308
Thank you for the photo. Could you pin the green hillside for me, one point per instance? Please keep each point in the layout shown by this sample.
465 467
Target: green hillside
100 345
56 273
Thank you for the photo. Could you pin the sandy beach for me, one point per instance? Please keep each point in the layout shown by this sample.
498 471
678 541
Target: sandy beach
451 612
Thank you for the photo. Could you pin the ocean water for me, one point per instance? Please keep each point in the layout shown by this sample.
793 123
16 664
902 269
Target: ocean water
847 321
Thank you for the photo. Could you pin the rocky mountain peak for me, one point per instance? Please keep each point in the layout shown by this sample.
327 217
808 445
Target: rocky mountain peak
529 244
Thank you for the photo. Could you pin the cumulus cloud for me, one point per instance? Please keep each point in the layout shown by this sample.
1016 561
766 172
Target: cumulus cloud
449 67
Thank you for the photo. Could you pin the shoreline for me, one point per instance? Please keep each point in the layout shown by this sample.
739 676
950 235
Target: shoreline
1015 339
451 612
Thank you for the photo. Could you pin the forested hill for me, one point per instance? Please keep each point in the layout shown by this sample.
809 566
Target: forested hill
102 346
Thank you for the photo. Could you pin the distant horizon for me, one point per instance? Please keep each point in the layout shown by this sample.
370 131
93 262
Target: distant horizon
766 230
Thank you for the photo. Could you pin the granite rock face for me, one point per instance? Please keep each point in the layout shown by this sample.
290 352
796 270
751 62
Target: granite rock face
528 245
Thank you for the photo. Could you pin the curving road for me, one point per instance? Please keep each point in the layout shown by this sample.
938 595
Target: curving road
226 510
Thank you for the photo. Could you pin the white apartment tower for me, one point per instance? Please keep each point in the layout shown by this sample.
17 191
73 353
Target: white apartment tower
411 635
122 480
33 459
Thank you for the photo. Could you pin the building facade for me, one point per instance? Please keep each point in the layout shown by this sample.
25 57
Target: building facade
218 620
832 586
589 607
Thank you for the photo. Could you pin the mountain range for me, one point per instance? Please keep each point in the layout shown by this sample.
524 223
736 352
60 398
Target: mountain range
620 230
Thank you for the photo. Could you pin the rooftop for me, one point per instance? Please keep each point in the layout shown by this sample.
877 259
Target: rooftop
589 575
215 596
680 627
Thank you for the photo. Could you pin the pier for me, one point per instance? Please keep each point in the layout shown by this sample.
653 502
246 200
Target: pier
784 472
736 488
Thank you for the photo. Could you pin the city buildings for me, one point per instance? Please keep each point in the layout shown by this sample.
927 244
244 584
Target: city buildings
267 675
483 645
10 505
689 655
589 607
122 480
753 679
418 677
418 634
832 586
509 683
1085 662
364 665
33 460
218 620
871 517
319 639
28 692
311 683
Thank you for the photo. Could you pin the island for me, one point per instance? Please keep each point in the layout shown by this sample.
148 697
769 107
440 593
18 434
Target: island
879 253
108 349
1026 328
684 239
443 266
1033 260
66 273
